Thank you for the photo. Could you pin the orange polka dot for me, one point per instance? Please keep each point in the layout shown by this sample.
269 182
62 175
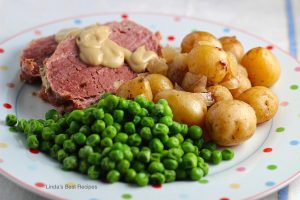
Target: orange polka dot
3 68
234 185
3 145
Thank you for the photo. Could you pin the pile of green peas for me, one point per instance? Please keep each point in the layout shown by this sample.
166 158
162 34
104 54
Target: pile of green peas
135 141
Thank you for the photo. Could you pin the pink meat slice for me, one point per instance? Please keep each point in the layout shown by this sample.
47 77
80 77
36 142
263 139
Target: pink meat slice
70 83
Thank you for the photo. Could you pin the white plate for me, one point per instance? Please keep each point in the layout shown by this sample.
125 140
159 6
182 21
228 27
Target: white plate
265 163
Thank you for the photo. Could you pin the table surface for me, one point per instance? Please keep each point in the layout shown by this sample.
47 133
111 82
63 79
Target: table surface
276 20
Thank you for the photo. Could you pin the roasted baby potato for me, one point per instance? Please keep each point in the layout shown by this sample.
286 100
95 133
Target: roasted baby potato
169 53
209 61
262 66
232 45
157 66
187 107
219 93
243 85
178 68
262 100
242 70
135 87
192 81
159 83
196 38
230 122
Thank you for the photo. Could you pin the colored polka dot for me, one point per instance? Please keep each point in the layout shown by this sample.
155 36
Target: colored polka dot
234 185
177 18
224 198
268 150
77 21
240 169
71 184
93 199
297 69
298 115
126 196
39 184
269 47
284 103
3 145
171 38
7 106
203 181
37 32
194 30
294 87
271 167
294 142
183 196
3 68
1 50
280 129
1 160
157 186
226 30
152 26
124 16
270 183
34 151
10 85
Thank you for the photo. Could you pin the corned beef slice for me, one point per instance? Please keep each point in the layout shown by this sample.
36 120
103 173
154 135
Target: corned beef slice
69 83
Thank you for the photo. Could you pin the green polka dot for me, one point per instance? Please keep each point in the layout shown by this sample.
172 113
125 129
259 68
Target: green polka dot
126 196
294 87
272 167
203 181
280 129
13 129
194 30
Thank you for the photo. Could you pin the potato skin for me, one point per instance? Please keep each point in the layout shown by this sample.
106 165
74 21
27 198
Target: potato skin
135 87
262 66
233 45
262 100
159 83
243 85
230 122
219 93
187 107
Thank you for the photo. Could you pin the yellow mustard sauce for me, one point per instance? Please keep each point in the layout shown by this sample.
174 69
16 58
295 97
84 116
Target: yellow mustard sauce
64 33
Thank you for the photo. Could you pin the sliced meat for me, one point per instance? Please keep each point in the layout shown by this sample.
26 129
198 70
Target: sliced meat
33 56
69 83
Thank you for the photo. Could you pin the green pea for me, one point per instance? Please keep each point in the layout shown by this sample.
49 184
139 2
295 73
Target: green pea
155 157
105 152
157 178
134 108
130 175
205 154
116 155
88 118
123 104
106 142
227 154
11 120
47 133
53 151
52 114
181 174
36 126
69 146
123 166
21 124
196 173
70 163
144 156
45 146
32 142
175 153
146 134
109 131
62 122
56 128
170 163
142 101
104 95
85 151
216 157
147 122
175 128
158 109
121 137
167 120
111 102
138 166
156 167
156 145
128 155
129 127
94 158
195 132
74 127
144 112
134 140
117 146
98 126
187 147
210 145
136 120
167 111
141 179
199 143
189 160
60 138
83 166
93 172
179 137
118 115
47 123
205 167
117 126
170 176
80 138
108 119
107 164
160 129
113 176
93 140
61 155
85 130
173 142
76 115
164 139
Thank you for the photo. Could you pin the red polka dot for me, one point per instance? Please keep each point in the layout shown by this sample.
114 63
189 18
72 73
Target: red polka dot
240 169
39 184
224 198
37 32
284 103
7 106
171 38
270 47
267 150
34 151
1 50
10 85
177 18
297 69
157 186
1 160
124 16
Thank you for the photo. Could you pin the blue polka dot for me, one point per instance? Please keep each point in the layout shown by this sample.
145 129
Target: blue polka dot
226 30
93 199
270 183
294 142
152 27
183 196
77 21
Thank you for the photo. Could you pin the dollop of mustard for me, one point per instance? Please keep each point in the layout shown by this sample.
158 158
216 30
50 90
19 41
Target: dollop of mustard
67 32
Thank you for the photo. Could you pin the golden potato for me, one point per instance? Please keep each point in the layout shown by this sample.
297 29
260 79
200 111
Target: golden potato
230 122
187 107
135 87
196 38
177 68
243 85
262 100
169 53
262 66
242 70
157 66
219 93
209 61
232 45
159 83
192 81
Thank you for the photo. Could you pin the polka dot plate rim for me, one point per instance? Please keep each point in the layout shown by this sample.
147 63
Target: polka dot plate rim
260 166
